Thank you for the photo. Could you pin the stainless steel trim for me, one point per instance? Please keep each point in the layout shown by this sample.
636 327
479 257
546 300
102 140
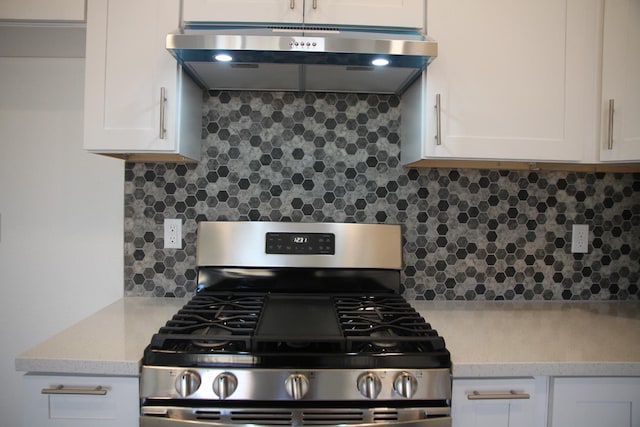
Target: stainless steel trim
438 121
163 107
158 382
61 389
610 129
512 395
369 417
356 245
278 42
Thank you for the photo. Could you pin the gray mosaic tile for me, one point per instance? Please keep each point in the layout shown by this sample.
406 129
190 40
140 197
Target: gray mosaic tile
469 234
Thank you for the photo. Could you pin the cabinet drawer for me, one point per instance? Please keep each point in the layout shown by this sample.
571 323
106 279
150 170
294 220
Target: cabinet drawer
66 400
513 402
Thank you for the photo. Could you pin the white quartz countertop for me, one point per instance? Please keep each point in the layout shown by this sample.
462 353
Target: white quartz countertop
547 338
110 342
486 339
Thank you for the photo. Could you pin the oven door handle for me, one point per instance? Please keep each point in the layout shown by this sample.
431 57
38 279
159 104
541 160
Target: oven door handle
160 421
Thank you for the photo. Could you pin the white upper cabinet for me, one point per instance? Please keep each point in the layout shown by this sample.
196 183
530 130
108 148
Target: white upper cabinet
517 80
138 102
42 10
389 13
620 135
287 11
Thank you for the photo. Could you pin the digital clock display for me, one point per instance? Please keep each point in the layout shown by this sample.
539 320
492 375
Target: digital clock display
300 243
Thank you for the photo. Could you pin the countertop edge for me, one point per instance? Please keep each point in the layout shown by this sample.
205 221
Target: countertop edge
84 367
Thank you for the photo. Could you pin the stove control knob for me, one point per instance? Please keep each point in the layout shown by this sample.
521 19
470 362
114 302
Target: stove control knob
405 385
297 386
224 385
369 385
187 383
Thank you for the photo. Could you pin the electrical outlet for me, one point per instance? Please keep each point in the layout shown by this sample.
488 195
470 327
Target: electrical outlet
580 239
173 233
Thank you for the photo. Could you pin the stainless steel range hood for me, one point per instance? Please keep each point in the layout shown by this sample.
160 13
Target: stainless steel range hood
302 59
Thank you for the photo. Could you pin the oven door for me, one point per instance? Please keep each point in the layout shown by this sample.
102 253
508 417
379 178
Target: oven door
256 417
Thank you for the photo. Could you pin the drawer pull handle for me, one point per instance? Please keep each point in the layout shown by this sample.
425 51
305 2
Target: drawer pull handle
292 4
315 4
476 395
97 391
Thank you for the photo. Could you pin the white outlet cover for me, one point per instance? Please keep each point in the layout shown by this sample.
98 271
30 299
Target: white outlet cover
580 239
173 233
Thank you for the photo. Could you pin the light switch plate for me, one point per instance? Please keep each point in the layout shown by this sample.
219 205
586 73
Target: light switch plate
580 239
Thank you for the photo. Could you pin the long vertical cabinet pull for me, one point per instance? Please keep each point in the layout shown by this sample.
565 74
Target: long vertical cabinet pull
438 121
163 107
315 4
610 130
292 4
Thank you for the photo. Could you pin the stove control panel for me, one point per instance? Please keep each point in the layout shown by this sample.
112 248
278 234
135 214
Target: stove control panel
301 243
251 384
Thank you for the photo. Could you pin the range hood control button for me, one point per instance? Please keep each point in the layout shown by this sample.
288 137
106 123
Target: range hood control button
297 386
369 385
405 385
187 383
224 385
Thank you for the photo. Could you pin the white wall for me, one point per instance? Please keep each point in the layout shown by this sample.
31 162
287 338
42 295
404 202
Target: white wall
61 224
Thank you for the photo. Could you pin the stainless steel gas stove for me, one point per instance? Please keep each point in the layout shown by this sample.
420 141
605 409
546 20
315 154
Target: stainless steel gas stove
296 324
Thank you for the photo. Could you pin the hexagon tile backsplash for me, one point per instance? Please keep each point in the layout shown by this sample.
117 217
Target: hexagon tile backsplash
469 234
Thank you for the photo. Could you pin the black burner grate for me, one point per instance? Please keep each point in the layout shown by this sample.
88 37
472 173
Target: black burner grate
298 329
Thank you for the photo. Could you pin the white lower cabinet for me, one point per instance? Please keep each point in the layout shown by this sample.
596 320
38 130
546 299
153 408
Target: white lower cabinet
512 402
75 401
595 402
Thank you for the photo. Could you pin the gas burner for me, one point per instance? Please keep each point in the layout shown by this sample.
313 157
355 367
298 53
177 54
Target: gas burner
209 336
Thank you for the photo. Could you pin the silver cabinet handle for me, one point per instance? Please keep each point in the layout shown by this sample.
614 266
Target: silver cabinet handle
98 391
292 4
610 130
476 395
315 4
438 121
163 107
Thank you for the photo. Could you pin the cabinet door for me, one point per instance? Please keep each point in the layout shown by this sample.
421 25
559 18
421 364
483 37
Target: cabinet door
621 81
42 10
278 11
127 70
596 402
499 402
119 407
516 79
389 13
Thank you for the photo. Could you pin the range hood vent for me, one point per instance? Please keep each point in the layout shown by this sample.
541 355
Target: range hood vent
305 59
